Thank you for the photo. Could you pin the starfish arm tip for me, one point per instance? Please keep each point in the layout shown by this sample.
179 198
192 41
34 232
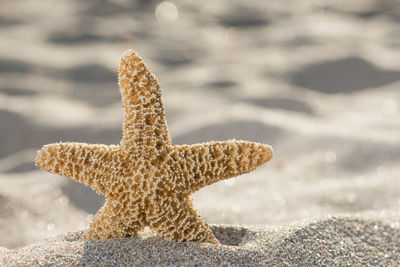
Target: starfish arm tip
129 52
267 153
44 155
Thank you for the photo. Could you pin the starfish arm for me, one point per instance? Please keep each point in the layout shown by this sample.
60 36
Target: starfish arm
107 223
86 163
205 164
144 120
175 219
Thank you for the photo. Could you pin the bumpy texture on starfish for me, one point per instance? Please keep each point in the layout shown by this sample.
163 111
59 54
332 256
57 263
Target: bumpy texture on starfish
146 180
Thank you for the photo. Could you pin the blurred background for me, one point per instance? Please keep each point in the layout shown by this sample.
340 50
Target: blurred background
318 80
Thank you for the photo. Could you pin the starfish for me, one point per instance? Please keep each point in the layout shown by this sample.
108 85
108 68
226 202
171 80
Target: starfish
146 180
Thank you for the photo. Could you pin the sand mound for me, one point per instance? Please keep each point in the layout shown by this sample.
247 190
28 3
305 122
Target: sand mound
334 241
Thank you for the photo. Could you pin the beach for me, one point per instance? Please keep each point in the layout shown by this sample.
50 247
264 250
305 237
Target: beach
318 81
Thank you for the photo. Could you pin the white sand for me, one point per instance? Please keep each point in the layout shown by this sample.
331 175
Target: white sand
319 81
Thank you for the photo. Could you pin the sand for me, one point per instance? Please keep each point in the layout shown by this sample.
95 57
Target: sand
319 81
334 242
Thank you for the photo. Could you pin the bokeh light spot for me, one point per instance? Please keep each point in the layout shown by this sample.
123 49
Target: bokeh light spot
166 12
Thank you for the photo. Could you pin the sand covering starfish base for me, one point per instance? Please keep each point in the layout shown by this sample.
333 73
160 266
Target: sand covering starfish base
146 180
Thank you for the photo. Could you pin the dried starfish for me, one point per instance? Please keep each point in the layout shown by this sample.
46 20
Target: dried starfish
146 180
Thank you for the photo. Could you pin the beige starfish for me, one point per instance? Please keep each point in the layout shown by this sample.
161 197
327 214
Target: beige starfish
146 180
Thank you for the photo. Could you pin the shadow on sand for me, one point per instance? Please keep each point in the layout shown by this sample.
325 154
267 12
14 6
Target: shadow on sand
343 76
